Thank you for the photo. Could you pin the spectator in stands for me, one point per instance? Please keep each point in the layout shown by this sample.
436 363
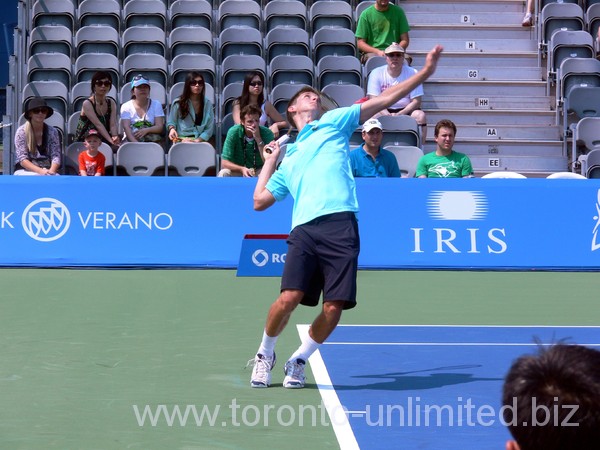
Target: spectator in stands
91 160
191 117
528 19
143 119
380 25
243 149
37 144
444 162
370 160
253 93
383 77
552 399
99 112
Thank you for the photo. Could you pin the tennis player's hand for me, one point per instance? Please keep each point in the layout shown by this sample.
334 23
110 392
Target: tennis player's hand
274 149
432 59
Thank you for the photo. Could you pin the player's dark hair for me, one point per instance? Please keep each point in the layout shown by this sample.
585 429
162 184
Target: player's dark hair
553 399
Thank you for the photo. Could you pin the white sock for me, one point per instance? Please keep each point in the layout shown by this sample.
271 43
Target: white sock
267 345
307 348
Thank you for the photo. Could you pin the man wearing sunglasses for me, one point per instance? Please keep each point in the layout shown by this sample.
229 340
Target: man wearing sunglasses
393 73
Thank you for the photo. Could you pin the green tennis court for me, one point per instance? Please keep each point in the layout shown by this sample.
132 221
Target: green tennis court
84 352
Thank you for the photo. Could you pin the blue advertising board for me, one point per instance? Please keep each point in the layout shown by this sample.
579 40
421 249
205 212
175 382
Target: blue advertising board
201 222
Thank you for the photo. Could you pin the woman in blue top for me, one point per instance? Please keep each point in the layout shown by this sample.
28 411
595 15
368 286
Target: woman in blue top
191 117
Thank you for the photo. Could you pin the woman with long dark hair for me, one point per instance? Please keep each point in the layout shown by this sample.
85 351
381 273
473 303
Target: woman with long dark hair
191 116
253 93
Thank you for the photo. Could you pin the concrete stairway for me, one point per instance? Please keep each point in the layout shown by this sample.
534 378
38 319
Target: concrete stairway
490 82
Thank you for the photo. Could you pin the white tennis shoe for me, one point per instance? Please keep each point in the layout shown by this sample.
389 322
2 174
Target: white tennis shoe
261 372
294 374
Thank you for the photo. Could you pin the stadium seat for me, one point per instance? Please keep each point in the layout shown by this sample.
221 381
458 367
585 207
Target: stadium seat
230 92
292 69
235 67
559 16
71 162
191 40
593 164
49 66
98 39
144 39
157 92
141 158
191 13
333 41
177 89
586 132
344 94
106 12
281 94
339 70
192 159
360 7
285 13
580 102
332 13
568 44
240 40
145 12
182 64
51 39
154 67
400 130
592 20
372 63
224 125
287 41
407 158
575 72
87 64
53 12
82 90
239 13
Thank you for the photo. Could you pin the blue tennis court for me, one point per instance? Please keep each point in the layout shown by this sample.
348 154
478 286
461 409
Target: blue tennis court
426 387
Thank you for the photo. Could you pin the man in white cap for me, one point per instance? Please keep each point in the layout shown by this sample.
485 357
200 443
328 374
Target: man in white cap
393 73
370 160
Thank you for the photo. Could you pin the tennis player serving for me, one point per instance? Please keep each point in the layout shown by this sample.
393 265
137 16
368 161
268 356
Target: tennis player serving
324 243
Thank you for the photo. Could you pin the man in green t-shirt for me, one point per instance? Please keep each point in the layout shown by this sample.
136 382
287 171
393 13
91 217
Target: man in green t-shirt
380 25
444 162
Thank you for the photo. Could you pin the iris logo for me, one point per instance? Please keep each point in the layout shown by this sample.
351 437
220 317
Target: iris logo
260 258
46 219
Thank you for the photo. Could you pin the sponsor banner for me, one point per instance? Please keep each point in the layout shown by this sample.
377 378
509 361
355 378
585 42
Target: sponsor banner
201 222
262 255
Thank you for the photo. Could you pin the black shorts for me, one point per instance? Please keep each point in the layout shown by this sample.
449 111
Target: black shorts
323 256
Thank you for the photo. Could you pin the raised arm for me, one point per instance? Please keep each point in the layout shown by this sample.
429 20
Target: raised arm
391 95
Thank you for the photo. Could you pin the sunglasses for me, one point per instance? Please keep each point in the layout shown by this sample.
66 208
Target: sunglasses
256 83
138 77
103 83
39 110
197 83
395 55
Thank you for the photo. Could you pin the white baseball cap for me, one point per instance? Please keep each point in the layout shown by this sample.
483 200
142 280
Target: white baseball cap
372 123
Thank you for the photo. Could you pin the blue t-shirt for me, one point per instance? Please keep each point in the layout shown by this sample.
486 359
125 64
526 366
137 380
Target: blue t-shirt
363 165
316 168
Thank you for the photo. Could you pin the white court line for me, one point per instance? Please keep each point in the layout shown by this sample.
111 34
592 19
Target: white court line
337 416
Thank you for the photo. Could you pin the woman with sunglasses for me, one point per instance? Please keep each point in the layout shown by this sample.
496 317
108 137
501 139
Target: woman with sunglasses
37 144
191 116
99 112
143 119
253 94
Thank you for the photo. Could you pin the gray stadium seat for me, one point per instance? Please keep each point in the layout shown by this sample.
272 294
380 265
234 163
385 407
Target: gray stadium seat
560 16
98 39
235 67
51 39
106 12
191 40
568 44
333 41
145 12
372 63
239 13
291 69
157 92
49 66
82 90
592 19
287 13
593 164
87 64
586 132
575 72
55 93
191 13
334 13
53 12
287 41
580 102
192 159
400 130
141 158
407 157
360 7
339 70
153 67
240 40
144 39
230 92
